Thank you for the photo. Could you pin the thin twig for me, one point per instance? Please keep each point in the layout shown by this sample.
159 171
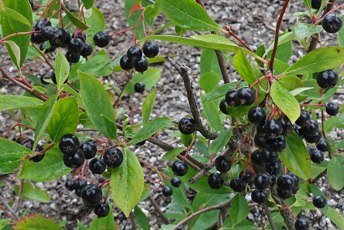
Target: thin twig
157 209
132 219
10 211
268 213
222 65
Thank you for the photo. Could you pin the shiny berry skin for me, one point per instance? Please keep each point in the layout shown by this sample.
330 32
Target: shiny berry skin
41 24
332 109
323 145
298 131
223 164
97 166
269 156
262 180
60 38
69 144
223 106
277 144
315 137
273 128
91 195
101 39
310 128
260 196
284 193
72 57
273 168
75 45
45 77
215 180
246 96
187 125
317 156
301 224
89 148
231 98
238 184
80 184
37 38
150 49
113 157
167 191
179 168
327 79
48 32
126 63
285 182
296 188
139 87
287 126
176 182
310 149
315 4
259 141
134 53
332 23
102 210
87 50
256 157
70 184
28 143
296 179
74 160
303 119
141 65
256 115
39 157
319 201
82 35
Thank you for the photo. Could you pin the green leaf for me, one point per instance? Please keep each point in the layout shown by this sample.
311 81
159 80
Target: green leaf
220 141
95 65
36 222
61 68
150 77
8 102
220 91
141 218
147 106
88 3
50 168
186 139
341 35
10 155
127 182
74 19
285 101
290 82
149 129
145 193
239 209
333 122
339 145
152 11
318 60
44 118
96 23
303 31
244 225
111 127
64 119
188 14
4 222
334 169
336 217
243 67
104 223
172 154
295 156
96 102
208 81
32 193
15 52
209 62
212 114
17 17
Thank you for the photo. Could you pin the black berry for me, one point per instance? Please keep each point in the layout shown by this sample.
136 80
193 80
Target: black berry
139 87
179 168
284 193
91 195
246 96
262 180
41 24
247 176
187 125
82 35
223 164
87 50
231 98
69 144
150 49
134 53
37 38
260 196
277 144
126 63
298 131
238 184
256 115
256 157
323 145
273 128
273 168
176 182
315 4
102 210
287 126
28 143
89 148
45 77
75 45
223 106
60 38
327 79
259 141
75 160
101 39
72 57
332 109
80 184
269 156
303 119
317 156
49 32
39 157
319 201
285 182
315 137
215 180
141 65
113 157
310 127
97 166
332 23
167 191
301 224
70 184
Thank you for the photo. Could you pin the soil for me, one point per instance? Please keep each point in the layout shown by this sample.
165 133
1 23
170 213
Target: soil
253 21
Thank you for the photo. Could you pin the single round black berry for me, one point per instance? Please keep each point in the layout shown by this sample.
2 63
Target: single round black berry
301 224
287 126
273 168
97 166
141 65
113 157
256 157
49 32
72 57
262 180
91 195
256 115
223 164
327 79
45 77
332 23
41 24
126 63
215 180
75 45
176 182
69 144
139 87
259 140
246 96
87 50
150 49
70 184
315 137
260 196
238 184
332 109
74 160
285 182
28 143
167 191
323 145
89 148
277 144
39 157
37 38
231 98
179 168
284 193
273 128
101 39
317 156
82 35
187 125
60 38
303 119
102 210
269 156
298 131
134 53
310 128
319 201
223 106
80 184
315 4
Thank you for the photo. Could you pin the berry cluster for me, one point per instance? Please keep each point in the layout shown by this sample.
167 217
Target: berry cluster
179 168
287 185
244 96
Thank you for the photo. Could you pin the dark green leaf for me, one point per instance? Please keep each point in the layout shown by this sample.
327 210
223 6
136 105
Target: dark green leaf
111 127
92 67
208 81
336 217
220 91
36 222
334 122
205 220
186 139
141 218
8 102
32 193
74 19
88 3
244 225
334 169
96 23
220 141
212 114
209 62
172 154
243 67
61 68
147 106
239 209
341 35
150 77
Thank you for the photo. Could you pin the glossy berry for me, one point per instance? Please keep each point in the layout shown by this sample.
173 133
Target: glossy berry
315 137
262 180
332 23
69 144
44 77
319 201
126 63
285 182
80 184
37 38
310 149
247 177
298 131
89 148
215 180
179 168
41 24
150 49
176 182
231 98
238 184
72 57
295 178
269 156
284 193
296 188
139 87
259 141
167 191
28 143
256 157
273 168
277 144
315 4
91 195
49 32
303 119
223 106
332 109
223 164
310 128
87 50
70 184
134 53
39 157
187 125
141 65
246 96
101 39
97 166
75 160
82 35
273 128
256 115
323 145
102 210
60 37
75 45
327 79
287 126
301 224
317 156
260 196
113 157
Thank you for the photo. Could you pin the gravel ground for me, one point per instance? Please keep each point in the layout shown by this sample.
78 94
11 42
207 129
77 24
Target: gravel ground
253 21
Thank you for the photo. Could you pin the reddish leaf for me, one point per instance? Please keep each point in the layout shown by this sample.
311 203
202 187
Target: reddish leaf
135 8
